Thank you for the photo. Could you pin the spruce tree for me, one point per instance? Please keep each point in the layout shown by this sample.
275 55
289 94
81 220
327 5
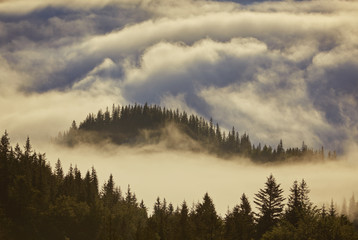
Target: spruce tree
4 168
206 221
299 203
4 145
269 202
110 194
246 220
59 170
184 228
239 224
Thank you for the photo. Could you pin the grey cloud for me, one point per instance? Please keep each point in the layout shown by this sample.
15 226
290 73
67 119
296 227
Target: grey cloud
333 89
186 70
294 59
132 40
40 44
284 69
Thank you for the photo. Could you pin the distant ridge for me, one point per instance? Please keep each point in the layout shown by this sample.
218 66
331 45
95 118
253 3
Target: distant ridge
144 124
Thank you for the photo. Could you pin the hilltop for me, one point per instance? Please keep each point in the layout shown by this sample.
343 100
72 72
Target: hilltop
151 124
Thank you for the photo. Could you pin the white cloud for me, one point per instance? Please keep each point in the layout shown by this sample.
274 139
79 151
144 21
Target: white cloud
274 69
20 7
182 175
294 59
268 118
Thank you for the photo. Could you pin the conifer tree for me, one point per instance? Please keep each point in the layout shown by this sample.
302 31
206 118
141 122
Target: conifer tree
110 195
59 170
332 210
4 168
206 221
4 145
239 224
94 181
246 227
184 228
28 148
269 202
298 202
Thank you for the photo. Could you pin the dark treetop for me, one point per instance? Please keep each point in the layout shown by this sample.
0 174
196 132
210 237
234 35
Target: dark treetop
144 124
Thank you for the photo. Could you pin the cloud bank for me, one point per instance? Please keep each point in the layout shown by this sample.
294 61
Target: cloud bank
153 171
277 69
274 69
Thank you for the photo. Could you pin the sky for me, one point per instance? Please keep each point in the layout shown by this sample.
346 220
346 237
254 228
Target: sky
273 69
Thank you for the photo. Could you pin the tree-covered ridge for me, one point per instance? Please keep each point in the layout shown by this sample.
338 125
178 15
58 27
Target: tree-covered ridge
127 124
37 202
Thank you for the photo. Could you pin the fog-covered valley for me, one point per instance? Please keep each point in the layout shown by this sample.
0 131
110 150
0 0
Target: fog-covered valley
275 70
155 171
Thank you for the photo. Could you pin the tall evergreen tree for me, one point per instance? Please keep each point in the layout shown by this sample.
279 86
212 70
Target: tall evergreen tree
298 202
269 201
4 145
239 224
184 227
206 221
59 170
110 194
28 148
4 168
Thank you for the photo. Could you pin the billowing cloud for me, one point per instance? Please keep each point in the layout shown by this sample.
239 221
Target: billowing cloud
275 69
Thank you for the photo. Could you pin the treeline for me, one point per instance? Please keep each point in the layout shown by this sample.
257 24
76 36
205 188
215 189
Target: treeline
37 202
125 125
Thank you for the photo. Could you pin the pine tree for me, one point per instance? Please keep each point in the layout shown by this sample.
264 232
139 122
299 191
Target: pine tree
94 181
4 145
239 224
4 168
28 148
110 195
269 202
206 221
157 223
58 170
298 202
184 228
332 210
246 222
131 198
280 151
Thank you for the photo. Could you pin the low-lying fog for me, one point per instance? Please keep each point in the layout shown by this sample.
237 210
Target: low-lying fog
277 69
153 171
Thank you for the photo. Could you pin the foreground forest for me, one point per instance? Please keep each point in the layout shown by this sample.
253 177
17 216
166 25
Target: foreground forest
143 124
37 202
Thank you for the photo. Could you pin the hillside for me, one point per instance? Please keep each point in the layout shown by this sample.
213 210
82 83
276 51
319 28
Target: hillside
38 202
144 124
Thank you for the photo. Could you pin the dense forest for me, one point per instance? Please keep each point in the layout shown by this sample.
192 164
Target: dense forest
141 124
37 202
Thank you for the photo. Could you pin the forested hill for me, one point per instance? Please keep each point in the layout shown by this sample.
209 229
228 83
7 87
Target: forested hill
144 124
38 202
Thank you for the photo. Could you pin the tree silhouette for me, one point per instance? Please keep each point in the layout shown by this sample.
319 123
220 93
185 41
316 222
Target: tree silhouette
206 221
37 202
269 201
126 125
